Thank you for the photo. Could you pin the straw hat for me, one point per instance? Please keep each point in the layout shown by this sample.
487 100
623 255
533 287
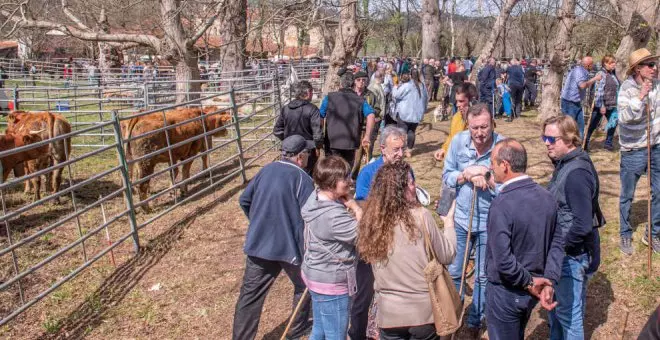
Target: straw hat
637 57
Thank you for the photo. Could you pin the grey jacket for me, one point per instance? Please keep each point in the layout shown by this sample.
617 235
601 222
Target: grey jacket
330 235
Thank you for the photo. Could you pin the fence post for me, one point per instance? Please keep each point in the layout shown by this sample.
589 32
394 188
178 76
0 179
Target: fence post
128 191
234 112
145 91
16 98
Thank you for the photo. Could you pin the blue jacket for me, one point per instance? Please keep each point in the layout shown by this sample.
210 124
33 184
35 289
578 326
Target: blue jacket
410 104
524 239
272 202
516 75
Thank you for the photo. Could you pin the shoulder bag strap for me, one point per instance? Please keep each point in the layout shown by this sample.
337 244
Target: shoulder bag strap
428 247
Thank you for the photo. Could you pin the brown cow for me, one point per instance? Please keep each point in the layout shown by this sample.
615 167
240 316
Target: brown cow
50 125
139 147
11 141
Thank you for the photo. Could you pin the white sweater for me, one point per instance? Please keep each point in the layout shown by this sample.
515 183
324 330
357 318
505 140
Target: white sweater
632 115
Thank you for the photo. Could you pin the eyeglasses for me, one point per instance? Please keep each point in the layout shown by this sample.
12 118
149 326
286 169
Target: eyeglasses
549 139
651 64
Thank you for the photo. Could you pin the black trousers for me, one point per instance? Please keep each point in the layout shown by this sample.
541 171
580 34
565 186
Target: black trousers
434 93
508 312
530 93
422 332
410 129
311 161
516 98
347 155
260 274
361 301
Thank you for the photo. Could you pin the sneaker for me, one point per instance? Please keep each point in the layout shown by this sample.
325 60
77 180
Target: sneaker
656 242
625 245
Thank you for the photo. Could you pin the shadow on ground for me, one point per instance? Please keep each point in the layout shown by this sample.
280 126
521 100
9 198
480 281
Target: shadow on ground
90 314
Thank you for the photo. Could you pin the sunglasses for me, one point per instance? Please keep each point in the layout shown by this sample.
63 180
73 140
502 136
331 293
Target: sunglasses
549 139
651 65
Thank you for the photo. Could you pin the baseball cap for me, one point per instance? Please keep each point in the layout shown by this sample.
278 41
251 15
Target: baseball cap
360 74
296 144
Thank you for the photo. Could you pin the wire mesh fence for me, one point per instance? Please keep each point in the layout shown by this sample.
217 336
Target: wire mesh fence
125 157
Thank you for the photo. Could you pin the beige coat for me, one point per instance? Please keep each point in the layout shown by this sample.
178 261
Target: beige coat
402 293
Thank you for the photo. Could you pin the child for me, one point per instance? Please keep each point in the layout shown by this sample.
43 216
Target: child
504 92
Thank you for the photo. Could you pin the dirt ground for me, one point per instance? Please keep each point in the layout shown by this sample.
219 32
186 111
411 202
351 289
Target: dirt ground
185 282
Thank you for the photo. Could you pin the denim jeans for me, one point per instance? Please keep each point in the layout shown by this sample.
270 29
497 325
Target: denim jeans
478 239
330 316
596 117
567 319
633 165
574 109
508 312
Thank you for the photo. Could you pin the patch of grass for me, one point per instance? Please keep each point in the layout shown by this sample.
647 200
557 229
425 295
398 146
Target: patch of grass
52 325
47 237
147 314
60 295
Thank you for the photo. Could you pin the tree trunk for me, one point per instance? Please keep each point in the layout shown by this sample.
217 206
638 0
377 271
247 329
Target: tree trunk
489 47
234 23
347 44
553 81
640 16
452 29
431 29
187 74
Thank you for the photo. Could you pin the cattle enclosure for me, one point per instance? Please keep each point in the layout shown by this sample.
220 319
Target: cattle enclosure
95 217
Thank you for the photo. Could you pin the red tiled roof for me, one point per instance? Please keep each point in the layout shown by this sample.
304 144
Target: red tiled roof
5 44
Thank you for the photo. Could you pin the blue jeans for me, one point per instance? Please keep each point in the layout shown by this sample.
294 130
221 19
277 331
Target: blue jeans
567 319
475 312
508 312
574 109
633 165
506 104
330 316
596 117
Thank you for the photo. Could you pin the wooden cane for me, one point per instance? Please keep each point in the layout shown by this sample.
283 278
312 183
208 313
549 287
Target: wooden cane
648 178
588 122
293 315
466 253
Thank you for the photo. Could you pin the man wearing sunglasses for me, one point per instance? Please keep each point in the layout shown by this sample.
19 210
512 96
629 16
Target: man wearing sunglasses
574 90
575 186
640 89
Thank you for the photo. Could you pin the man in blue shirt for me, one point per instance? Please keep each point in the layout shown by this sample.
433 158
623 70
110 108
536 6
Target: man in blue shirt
466 168
274 239
392 146
344 112
516 80
574 90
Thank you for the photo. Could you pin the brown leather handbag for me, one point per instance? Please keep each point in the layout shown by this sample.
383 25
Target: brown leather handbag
447 304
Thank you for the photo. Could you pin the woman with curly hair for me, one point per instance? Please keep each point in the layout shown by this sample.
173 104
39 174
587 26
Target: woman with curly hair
391 239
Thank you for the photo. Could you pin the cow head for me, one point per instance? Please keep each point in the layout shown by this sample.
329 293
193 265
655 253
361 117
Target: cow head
12 119
216 120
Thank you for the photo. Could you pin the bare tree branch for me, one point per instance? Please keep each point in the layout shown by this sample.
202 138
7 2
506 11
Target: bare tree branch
612 21
71 16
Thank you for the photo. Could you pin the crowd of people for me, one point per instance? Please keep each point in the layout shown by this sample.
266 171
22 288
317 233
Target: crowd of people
365 251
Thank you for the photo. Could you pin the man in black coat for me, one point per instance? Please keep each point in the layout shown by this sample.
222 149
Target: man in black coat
301 117
524 250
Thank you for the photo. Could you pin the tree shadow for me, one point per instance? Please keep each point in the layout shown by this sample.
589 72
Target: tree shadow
90 314
276 333
599 297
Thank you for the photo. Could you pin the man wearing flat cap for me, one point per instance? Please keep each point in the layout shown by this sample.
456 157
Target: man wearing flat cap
274 239
345 112
639 90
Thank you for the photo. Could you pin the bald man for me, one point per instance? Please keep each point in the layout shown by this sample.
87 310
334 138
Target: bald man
574 91
524 249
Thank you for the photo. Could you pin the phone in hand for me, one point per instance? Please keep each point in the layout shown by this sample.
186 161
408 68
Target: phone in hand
447 197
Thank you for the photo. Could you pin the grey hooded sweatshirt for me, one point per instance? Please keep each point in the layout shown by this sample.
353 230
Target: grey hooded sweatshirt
330 235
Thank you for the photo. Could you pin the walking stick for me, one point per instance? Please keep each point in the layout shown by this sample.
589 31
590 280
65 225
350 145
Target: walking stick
586 126
295 312
648 177
466 254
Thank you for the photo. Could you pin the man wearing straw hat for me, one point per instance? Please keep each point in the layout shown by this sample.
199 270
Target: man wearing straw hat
640 89
467 169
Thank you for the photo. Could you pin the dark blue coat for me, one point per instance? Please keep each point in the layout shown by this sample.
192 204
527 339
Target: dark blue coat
272 202
523 237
